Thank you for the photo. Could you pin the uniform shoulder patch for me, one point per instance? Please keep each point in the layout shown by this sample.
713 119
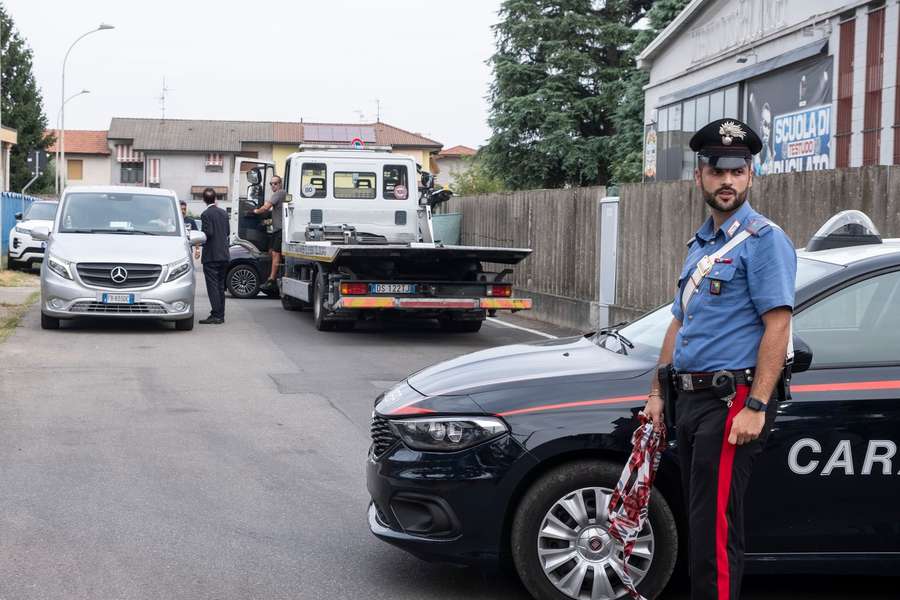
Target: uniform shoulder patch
758 226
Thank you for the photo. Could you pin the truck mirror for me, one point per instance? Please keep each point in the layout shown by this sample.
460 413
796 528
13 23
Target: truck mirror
254 176
254 192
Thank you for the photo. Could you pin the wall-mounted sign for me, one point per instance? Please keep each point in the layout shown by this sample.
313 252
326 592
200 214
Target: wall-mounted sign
650 153
791 111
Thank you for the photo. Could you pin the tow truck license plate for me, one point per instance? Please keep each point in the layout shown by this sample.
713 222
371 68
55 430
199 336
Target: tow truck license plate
392 288
108 298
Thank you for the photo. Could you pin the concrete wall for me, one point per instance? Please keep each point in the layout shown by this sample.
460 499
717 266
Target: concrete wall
656 220
561 275
96 169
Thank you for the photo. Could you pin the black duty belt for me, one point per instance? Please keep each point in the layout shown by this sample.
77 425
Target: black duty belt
694 382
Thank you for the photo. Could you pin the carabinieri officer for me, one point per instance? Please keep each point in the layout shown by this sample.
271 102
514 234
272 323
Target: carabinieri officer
728 343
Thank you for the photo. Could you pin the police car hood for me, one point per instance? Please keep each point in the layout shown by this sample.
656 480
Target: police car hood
526 364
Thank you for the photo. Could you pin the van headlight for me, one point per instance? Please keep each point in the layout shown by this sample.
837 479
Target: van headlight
447 434
59 266
178 268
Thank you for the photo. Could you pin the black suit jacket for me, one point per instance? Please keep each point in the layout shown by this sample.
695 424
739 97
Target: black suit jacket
215 225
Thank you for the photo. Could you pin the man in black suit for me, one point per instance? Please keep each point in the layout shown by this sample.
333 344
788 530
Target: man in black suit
215 225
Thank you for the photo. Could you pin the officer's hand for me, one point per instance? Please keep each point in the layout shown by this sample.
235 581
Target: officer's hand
653 410
251 213
746 426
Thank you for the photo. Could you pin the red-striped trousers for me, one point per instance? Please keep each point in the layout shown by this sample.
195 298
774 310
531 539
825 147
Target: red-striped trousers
715 475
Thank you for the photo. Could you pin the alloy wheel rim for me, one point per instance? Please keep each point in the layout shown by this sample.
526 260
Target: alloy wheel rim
578 555
243 281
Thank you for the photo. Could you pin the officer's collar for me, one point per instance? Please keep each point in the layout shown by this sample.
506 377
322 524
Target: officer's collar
707 231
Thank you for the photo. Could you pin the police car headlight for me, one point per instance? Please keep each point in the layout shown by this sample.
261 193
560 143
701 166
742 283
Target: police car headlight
447 434
177 269
59 266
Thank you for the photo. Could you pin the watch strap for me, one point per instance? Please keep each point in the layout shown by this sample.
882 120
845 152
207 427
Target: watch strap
755 404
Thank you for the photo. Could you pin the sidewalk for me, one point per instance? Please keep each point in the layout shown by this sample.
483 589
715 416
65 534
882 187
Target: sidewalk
17 292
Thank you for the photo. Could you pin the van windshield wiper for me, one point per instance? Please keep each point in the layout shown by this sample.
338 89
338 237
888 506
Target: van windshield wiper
613 331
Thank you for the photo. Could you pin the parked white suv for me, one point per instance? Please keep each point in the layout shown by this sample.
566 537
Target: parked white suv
24 252
118 252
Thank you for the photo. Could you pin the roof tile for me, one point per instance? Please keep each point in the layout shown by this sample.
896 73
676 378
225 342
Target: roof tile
81 141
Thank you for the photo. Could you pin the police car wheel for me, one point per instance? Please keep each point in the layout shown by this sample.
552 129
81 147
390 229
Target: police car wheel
560 545
243 282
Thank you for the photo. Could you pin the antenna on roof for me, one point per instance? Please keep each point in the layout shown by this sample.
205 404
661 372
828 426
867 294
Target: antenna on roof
377 110
162 97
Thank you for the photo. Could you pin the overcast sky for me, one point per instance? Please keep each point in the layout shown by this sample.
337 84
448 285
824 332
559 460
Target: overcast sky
266 60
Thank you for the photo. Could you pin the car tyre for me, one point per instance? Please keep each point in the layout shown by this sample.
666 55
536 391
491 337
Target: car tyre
558 484
48 322
185 324
242 281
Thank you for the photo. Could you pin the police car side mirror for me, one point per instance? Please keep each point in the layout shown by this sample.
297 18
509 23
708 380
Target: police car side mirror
802 355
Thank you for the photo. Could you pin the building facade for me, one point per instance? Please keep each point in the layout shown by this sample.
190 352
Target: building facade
87 156
816 80
452 162
8 139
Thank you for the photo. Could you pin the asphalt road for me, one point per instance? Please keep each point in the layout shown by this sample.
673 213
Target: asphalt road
226 463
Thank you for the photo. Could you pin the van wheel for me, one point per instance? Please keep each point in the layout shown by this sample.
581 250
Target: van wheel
242 282
49 322
560 545
185 324
318 298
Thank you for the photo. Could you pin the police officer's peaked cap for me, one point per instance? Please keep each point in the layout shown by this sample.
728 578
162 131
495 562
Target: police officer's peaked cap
726 143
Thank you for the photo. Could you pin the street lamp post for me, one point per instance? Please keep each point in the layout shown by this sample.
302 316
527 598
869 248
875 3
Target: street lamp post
62 137
58 113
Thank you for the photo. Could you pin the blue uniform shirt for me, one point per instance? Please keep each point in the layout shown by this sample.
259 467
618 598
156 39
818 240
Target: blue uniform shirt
723 325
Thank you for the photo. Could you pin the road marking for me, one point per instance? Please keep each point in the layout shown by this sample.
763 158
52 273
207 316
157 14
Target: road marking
534 331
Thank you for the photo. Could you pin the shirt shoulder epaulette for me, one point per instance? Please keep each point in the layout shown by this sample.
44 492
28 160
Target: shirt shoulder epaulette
690 241
759 226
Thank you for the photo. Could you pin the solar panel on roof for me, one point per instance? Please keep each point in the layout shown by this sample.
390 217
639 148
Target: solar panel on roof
338 133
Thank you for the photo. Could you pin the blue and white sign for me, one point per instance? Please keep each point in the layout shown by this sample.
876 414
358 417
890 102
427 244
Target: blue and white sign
802 140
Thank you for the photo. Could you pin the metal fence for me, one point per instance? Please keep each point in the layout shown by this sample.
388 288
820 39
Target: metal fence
656 221
10 204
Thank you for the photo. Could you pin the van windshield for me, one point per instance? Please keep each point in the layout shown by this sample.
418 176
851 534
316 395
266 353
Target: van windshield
120 213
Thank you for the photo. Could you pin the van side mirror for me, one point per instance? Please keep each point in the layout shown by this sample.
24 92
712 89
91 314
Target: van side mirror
802 355
41 233
18 216
197 238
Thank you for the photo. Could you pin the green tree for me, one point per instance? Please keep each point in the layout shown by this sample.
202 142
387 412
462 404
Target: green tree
22 107
475 179
627 148
558 73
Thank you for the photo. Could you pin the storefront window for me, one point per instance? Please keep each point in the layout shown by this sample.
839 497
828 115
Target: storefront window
731 103
716 106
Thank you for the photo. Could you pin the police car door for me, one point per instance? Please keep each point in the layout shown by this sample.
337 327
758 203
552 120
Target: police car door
829 479
249 189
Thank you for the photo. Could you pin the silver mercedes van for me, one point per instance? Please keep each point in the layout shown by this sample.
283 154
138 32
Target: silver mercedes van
118 252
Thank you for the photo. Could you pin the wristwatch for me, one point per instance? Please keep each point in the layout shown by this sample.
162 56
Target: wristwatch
755 404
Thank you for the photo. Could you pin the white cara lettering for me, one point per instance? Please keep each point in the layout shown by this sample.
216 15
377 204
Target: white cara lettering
841 458
809 467
873 456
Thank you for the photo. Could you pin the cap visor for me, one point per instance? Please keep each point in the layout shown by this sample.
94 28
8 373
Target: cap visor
725 162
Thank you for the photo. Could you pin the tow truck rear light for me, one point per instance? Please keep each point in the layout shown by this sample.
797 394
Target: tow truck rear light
354 289
499 291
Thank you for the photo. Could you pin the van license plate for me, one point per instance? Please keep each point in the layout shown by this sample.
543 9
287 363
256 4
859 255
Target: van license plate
392 288
117 298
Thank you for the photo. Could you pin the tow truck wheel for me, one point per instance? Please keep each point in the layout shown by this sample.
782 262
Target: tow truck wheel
319 291
560 542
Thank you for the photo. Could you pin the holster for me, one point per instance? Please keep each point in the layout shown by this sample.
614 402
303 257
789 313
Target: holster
666 376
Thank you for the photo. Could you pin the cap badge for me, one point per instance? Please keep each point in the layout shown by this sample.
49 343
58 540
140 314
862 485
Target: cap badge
730 130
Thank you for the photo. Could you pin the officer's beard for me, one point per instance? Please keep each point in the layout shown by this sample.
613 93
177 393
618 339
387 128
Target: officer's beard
728 204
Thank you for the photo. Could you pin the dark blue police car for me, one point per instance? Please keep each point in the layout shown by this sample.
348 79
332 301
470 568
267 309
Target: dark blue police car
510 454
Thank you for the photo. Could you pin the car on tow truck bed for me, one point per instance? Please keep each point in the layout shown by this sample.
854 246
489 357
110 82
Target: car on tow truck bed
510 454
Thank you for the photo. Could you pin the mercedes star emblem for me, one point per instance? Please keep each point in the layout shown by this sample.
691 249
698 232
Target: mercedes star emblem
119 274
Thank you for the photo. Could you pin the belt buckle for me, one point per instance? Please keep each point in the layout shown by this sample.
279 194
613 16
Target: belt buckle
705 265
687 383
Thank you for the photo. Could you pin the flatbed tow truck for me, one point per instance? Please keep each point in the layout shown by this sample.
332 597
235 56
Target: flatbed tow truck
358 242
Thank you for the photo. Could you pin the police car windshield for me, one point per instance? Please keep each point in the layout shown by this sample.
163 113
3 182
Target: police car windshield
647 333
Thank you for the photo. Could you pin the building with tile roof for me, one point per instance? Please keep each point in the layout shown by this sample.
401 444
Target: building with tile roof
87 156
451 162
